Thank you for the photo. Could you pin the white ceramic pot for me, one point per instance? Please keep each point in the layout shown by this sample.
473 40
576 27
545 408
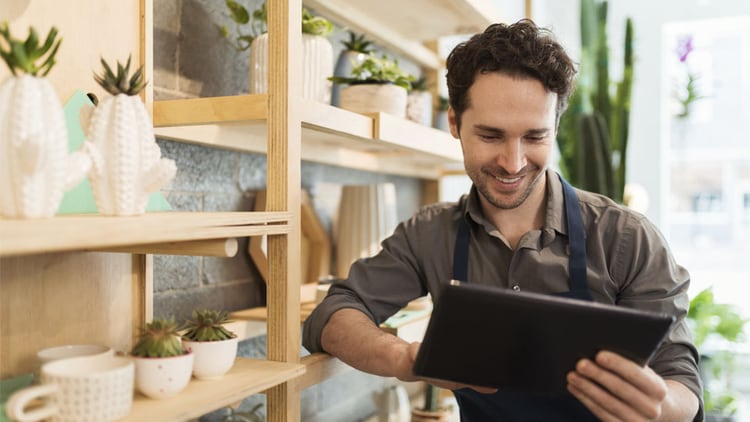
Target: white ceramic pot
347 60
317 66
374 98
160 378
419 107
213 359
127 166
35 167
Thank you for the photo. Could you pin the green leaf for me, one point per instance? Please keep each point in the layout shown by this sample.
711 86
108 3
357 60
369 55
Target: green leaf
238 12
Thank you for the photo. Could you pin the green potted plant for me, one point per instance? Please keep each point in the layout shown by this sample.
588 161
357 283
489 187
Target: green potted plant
162 365
317 52
356 49
377 84
37 168
214 346
715 324
419 102
127 162
593 131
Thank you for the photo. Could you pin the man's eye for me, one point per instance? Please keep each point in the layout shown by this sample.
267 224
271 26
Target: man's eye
535 138
489 138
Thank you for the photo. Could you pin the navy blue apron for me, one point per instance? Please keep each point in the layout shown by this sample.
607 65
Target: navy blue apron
520 406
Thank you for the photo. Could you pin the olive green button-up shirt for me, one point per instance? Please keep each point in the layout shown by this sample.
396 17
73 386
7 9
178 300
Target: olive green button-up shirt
628 264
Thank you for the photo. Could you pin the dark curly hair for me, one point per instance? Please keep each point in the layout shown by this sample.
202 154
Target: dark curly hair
521 49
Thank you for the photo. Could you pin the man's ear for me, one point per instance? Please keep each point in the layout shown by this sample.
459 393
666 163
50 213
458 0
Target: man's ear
452 123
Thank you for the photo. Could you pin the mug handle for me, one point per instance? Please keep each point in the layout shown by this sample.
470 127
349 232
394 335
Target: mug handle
21 398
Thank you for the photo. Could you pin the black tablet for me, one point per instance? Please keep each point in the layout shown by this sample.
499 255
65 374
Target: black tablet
495 337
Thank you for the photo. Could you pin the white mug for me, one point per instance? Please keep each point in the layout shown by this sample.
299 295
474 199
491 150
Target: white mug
78 390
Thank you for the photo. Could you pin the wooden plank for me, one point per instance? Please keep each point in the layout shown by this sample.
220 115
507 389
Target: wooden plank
402 32
412 136
54 299
82 232
196 111
247 377
90 30
320 367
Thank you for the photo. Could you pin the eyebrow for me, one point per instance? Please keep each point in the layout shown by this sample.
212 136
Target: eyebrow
498 131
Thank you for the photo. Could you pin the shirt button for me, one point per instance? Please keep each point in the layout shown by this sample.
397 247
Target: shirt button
516 287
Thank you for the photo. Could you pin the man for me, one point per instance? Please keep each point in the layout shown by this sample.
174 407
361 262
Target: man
508 87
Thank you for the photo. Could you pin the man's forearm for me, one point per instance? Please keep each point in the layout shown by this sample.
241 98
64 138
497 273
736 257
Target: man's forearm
352 337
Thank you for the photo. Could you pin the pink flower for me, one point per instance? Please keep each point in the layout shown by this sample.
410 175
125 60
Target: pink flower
684 47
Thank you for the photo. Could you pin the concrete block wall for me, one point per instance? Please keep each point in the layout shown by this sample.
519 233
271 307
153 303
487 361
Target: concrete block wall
193 60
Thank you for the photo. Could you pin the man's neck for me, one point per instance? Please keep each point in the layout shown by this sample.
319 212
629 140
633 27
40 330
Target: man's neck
514 223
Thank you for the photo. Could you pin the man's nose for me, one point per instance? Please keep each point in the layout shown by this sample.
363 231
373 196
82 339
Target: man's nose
512 158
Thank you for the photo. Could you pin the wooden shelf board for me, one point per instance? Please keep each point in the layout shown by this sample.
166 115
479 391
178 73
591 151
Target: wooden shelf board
85 232
330 135
196 111
247 377
402 32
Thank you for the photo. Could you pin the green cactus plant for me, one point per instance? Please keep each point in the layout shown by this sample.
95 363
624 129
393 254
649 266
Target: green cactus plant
159 339
593 132
208 325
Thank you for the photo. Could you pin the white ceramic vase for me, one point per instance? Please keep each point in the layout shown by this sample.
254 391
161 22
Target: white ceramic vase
317 66
419 107
374 98
213 359
161 378
35 166
126 160
366 216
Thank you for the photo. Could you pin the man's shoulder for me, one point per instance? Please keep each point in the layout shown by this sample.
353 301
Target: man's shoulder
598 206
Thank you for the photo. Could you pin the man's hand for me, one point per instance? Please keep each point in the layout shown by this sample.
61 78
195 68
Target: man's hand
617 389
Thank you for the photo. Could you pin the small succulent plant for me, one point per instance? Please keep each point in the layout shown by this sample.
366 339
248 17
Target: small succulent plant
208 325
159 339
24 56
358 43
376 70
121 82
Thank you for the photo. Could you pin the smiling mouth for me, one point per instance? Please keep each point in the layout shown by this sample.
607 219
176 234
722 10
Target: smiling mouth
508 180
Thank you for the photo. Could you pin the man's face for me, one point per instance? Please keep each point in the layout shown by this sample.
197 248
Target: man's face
506 136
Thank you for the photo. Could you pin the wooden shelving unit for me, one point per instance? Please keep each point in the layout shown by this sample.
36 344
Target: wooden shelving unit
330 135
53 268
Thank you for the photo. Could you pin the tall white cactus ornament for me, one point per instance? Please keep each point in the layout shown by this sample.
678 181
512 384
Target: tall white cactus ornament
127 164
35 167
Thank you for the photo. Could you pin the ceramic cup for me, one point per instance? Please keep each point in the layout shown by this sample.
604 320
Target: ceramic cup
78 389
71 351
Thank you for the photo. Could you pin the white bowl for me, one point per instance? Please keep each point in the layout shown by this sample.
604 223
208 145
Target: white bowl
213 359
72 351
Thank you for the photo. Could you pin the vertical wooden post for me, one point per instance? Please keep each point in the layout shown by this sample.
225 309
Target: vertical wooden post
283 187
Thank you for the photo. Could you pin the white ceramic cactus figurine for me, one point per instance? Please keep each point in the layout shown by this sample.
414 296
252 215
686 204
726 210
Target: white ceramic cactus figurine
35 167
127 164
